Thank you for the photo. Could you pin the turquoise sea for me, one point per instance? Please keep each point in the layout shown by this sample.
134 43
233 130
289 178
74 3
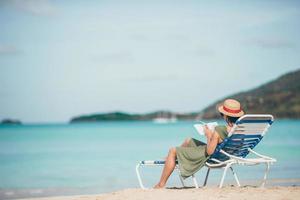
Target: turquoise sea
63 159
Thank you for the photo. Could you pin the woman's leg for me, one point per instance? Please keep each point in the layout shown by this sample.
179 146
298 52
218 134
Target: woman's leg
168 168
185 143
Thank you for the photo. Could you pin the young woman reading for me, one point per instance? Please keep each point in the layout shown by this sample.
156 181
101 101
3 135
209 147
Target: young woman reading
193 154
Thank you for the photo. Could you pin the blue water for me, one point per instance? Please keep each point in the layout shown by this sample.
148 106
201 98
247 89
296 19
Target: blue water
101 157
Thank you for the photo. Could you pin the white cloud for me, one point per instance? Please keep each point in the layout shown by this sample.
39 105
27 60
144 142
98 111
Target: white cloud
205 51
110 58
156 78
8 49
39 8
271 43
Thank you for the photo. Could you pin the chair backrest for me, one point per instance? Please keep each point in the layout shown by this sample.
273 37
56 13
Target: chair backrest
246 133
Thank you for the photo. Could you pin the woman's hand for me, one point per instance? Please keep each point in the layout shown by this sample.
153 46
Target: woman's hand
208 132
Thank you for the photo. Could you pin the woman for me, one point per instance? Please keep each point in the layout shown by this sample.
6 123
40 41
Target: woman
193 154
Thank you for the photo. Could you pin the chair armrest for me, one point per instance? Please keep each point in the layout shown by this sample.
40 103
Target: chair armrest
250 161
262 156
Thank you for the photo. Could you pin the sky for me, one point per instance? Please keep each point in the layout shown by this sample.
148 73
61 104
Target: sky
60 59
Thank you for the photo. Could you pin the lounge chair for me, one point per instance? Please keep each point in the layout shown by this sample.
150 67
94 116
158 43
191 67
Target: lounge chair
247 132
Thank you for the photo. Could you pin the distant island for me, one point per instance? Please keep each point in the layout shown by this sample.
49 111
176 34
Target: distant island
122 116
11 122
280 97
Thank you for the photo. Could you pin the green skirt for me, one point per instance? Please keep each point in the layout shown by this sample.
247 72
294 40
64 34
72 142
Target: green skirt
191 158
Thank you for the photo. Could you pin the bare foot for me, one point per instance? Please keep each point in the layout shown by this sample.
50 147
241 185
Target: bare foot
158 186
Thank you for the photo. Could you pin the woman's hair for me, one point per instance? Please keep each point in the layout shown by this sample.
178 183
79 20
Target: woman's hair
230 119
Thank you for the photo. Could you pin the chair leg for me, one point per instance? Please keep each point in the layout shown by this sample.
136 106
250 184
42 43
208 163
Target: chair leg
235 177
206 177
265 176
195 181
180 177
223 176
139 176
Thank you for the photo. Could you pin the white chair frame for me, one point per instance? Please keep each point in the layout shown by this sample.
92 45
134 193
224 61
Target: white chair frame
228 164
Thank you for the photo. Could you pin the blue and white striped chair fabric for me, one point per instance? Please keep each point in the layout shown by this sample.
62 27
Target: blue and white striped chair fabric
154 162
236 145
243 137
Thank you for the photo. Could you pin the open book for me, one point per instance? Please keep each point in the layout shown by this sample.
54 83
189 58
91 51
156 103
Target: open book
210 125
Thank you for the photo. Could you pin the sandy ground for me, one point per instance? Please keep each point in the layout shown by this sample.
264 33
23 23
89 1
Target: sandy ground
210 193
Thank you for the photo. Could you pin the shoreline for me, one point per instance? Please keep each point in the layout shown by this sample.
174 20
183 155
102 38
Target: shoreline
66 192
208 193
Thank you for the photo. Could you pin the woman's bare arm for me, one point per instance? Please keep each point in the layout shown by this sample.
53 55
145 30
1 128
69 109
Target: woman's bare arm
212 140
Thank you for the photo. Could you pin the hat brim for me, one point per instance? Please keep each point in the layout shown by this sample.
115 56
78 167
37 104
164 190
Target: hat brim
239 114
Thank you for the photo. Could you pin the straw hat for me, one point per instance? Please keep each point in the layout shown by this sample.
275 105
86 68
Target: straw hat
231 108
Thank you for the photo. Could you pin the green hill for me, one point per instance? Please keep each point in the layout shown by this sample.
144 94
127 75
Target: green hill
280 97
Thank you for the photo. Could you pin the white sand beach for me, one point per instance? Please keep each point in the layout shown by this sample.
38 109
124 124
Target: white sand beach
209 193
